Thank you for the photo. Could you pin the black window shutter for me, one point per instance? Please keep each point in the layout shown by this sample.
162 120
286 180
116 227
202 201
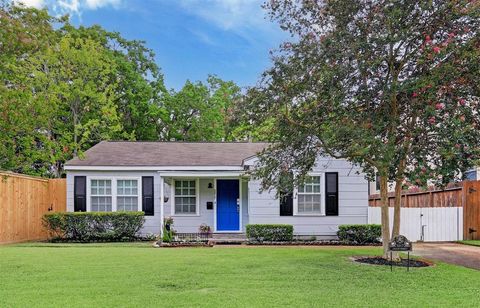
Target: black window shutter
331 193
80 193
286 204
147 195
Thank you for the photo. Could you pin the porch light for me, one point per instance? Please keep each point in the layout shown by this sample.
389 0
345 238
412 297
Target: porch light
165 199
210 185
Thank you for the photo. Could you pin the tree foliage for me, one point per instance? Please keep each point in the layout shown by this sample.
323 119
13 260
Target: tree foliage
63 89
389 85
199 111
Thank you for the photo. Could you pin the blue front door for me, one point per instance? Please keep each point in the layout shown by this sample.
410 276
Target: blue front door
228 208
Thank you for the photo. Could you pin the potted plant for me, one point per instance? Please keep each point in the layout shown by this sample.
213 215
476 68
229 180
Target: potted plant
205 229
168 231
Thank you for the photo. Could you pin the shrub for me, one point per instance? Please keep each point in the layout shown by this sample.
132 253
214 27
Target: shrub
168 231
360 234
94 226
270 233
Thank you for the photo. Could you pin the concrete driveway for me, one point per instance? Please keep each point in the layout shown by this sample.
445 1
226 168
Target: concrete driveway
453 253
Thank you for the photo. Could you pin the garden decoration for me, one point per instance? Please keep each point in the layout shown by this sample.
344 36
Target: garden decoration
400 243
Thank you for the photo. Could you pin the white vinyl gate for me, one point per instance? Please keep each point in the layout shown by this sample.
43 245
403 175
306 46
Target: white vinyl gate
435 224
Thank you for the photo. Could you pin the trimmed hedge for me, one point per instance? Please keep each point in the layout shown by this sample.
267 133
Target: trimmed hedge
269 233
94 226
360 234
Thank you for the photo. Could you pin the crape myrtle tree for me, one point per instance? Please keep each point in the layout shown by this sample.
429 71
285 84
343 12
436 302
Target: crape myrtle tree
392 86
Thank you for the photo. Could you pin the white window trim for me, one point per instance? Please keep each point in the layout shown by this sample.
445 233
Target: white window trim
139 190
197 197
114 189
322 197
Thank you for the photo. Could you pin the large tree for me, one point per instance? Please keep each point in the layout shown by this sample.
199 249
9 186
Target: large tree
64 88
138 80
24 33
392 86
200 111
72 80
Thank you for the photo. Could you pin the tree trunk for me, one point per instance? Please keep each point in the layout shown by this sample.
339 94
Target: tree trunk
396 208
385 214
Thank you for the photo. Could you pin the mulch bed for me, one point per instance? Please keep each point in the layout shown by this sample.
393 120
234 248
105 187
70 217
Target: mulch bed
383 261
181 244
311 243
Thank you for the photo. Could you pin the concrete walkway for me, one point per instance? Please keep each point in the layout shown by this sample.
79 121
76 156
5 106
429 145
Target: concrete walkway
453 253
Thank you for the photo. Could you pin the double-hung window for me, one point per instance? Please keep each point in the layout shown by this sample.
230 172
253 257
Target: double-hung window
309 198
185 197
101 195
127 195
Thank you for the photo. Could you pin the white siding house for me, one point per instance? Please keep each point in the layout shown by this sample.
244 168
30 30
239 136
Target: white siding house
206 183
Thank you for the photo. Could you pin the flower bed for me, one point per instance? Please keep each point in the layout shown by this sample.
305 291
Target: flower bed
310 243
182 244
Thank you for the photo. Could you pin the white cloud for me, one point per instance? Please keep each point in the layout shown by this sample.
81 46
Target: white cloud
31 3
95 4
229 14
72 7
69 6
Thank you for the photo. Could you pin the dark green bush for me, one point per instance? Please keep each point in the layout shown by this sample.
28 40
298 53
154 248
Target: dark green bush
94 226
360 234
269 233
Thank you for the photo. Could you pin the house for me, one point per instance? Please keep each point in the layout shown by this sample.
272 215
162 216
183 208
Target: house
206 183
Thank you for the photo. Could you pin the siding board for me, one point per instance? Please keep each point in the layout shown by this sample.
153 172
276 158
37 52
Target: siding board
257 206
353 203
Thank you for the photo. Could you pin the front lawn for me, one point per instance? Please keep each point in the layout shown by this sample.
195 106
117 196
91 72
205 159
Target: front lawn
137 275
471 242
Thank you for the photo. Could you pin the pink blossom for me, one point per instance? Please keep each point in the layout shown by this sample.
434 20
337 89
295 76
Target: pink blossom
432 120
428 39
462 118
461 102
451 34
415 94
436 49
440 106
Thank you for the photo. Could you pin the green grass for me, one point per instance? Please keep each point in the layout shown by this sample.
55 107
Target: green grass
471 242
136 275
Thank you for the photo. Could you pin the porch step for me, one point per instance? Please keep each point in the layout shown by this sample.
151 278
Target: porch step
227 238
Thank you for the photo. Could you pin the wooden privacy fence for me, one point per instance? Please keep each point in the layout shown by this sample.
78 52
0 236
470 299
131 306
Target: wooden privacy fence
23 201
465 197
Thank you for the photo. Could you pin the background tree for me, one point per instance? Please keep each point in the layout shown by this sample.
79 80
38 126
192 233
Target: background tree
139 84
24 33
389 85
63 89
200 112
73 80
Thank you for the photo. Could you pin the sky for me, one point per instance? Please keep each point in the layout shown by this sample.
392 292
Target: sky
191 38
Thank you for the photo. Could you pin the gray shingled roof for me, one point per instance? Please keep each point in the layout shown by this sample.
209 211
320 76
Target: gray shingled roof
140 153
